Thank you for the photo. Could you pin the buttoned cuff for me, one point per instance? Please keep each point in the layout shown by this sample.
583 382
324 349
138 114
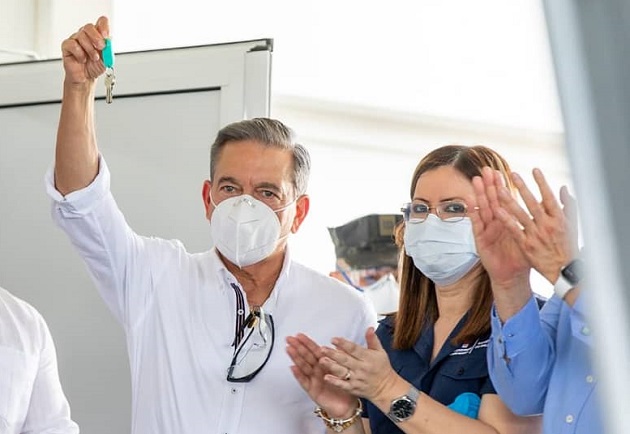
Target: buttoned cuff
579 324
517 333
79 202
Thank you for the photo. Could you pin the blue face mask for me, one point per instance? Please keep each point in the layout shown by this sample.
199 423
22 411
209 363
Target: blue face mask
444 252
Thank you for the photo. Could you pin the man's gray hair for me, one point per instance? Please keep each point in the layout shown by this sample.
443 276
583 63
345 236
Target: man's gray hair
267 132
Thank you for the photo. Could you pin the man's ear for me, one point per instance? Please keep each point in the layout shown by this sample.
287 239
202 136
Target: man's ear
205 196
302 205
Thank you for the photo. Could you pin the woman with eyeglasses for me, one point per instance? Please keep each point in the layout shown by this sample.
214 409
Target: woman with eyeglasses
424 369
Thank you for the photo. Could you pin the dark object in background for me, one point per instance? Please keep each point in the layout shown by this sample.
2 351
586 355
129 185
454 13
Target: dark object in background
368 241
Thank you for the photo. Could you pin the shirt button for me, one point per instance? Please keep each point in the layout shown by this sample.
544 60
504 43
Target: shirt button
500 340
510 335
589 379
585 331
233 391
569 418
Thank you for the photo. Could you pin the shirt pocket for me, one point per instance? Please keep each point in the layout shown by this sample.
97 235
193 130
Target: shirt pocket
468 368
461 374
14 386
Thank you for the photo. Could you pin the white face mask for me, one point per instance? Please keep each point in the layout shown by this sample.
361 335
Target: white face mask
444 252
384 294
244 229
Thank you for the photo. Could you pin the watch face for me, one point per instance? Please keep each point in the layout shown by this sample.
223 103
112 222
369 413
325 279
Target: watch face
402 408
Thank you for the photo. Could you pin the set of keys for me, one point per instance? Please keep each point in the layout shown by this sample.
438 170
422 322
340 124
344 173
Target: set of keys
110 77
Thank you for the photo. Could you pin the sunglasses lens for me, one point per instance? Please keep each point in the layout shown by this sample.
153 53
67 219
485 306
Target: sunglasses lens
253 351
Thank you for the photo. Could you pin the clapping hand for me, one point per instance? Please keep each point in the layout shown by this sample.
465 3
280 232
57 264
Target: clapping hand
546 233
305 354
335 377
500 253
360 371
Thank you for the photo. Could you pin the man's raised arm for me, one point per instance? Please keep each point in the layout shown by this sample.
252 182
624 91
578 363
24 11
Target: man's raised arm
76 157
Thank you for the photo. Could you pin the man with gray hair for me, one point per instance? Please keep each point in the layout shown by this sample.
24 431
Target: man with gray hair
205 332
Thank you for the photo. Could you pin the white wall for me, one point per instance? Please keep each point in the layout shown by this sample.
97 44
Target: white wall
37 27
17 32
363 160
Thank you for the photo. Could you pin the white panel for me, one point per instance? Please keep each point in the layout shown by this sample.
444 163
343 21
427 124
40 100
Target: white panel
143 72
590 43
257 96
158 165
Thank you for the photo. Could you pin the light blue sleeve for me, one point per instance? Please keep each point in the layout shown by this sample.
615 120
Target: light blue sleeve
580 328
521 355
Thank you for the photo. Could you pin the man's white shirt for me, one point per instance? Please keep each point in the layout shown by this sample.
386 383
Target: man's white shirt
31 398
178 311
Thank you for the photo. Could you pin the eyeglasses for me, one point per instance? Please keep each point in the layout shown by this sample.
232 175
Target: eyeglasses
451 211
253 350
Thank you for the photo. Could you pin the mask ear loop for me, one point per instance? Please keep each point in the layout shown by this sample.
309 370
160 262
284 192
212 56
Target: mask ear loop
276 211
211 199
286 206
347 278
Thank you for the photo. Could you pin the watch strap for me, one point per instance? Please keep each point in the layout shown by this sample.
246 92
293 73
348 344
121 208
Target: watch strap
562 286
568 278
411 397
413 394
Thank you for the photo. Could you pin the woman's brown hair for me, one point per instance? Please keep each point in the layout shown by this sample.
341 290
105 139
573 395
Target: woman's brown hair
418 304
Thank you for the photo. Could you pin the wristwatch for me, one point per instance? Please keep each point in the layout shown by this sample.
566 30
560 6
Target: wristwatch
403 407
570 276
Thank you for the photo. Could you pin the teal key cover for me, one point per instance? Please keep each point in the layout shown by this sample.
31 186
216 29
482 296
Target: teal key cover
108 54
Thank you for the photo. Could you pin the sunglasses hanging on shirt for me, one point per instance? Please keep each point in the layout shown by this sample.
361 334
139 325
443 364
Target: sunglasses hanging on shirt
254 348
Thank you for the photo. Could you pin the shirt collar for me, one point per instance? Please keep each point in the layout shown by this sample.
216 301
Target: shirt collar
225 277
